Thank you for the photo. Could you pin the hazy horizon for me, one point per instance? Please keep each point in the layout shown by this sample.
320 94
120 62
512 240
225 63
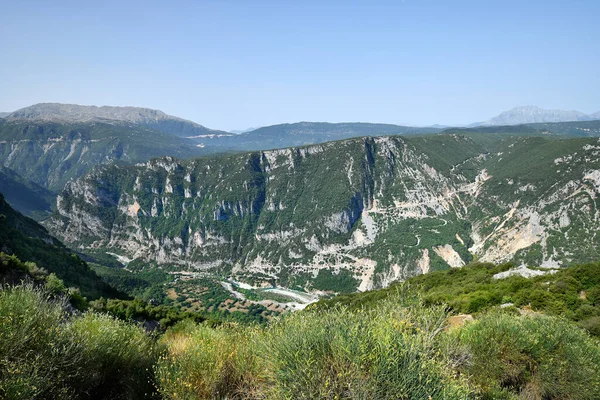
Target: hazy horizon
234 65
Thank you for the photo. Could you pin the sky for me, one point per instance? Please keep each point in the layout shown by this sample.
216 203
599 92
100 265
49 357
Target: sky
240 64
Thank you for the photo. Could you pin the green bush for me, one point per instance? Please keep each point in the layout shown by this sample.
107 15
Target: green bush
385 353
531 357
400 349
592 325
388 353
55 285
207 363
36 360
118 357
47 354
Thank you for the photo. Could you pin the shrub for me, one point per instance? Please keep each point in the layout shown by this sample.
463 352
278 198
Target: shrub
117 357
592 325
55 285
387 353
384 353
533 357
44 354
35 271
207 363
36 359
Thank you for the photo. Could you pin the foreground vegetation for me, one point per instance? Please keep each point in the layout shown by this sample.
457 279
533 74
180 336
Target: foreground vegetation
44 354
401 349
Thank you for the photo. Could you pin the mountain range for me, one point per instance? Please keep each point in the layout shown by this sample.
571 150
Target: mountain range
49 144
304 133
156 119
309 204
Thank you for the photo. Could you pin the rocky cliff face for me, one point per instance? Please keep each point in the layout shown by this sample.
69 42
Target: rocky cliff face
377 209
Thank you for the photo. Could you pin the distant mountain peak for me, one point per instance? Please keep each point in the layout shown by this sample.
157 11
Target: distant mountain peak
533 114
74 113
78 113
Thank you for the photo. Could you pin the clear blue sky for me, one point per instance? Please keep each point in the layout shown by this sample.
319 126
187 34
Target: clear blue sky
236 64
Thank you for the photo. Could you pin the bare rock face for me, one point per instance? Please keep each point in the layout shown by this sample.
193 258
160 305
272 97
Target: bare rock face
378 209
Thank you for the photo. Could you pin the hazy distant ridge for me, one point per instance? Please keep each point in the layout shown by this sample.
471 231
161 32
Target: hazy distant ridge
156 119
534 114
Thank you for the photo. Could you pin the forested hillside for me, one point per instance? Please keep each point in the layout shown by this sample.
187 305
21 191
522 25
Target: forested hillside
26 239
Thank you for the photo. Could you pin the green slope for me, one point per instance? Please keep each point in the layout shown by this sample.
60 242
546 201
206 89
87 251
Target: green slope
572 129
29 241
572 293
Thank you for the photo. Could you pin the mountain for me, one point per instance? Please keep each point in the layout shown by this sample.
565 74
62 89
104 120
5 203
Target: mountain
364 211
304 133
534 114
29 241
50 143
4 114
50 153
25 196
145 117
